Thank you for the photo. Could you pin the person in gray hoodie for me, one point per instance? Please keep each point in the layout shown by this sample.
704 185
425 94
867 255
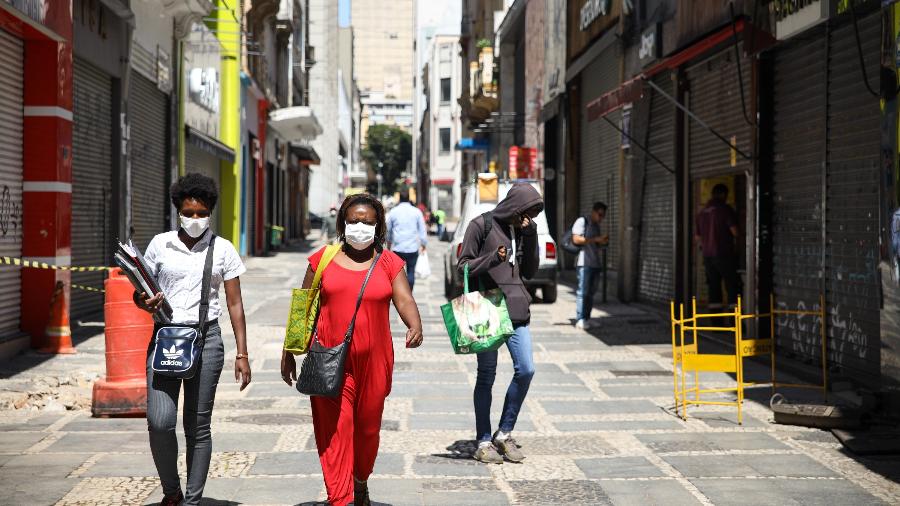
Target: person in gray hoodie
500 248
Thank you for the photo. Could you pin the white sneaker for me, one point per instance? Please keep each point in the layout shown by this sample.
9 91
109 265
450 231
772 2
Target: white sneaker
583 324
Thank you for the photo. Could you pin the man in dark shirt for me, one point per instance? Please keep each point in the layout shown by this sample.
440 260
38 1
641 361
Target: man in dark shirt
717 228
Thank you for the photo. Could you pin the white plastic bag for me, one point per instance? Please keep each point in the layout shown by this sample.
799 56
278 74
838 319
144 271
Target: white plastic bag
423 267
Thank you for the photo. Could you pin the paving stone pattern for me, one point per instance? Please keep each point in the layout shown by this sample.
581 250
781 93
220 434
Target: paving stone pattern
597 426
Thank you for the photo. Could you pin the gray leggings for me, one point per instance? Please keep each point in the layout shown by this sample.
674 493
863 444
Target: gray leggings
162 413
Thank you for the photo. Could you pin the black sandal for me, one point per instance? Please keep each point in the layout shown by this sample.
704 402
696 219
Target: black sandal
361 494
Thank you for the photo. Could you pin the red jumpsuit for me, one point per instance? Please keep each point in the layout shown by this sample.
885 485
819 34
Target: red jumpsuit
347 427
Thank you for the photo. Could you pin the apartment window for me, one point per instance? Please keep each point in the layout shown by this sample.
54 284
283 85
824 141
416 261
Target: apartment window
445 140
445 90
446 53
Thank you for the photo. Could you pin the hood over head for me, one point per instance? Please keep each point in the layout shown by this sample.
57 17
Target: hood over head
520 198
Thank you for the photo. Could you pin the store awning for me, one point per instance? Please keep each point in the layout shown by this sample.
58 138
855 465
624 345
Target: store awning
305 153
295 123
209 144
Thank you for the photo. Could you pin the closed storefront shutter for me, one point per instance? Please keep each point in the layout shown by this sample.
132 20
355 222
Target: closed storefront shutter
148 111
91 183
799 151
852 200
599 151
657 251
11 100
715 97
200 161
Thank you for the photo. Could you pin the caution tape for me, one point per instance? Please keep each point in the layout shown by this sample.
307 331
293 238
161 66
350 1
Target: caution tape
88 288
21 262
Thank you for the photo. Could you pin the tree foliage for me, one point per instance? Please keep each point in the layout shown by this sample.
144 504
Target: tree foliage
391 146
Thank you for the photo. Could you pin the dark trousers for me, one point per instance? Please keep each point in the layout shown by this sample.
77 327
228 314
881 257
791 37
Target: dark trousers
410 259
720 269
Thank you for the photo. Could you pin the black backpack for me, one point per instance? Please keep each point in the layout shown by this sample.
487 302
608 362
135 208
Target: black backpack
568 244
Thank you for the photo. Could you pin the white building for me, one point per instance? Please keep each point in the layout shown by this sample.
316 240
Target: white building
325 185
444 126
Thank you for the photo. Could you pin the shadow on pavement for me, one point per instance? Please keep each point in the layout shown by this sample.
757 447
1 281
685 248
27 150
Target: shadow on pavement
464 449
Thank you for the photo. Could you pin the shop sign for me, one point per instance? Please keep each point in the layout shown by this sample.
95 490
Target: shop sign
625 125
591 10
163 74
203 88
795 16
649 51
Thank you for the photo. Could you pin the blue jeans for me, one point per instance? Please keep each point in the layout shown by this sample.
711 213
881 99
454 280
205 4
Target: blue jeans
519 345
410 259
584 293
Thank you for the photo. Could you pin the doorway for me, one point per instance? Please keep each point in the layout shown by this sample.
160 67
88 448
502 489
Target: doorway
701 189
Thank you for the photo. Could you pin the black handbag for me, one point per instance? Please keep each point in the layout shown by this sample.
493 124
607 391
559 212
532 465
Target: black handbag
177 346
322 372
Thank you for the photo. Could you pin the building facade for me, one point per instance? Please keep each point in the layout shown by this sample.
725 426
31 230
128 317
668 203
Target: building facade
442 122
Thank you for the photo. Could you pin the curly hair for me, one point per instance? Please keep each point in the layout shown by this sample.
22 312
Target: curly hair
194 186
363 199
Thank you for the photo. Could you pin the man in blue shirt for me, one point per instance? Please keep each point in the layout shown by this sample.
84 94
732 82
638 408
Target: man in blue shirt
406 234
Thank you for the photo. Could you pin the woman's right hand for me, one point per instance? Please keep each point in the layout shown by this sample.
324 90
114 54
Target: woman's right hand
501 253
288 367
148 304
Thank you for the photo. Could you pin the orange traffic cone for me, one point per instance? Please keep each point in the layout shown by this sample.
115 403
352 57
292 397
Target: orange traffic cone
58 335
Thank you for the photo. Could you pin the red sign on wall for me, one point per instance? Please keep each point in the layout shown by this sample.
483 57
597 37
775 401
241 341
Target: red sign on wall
522 162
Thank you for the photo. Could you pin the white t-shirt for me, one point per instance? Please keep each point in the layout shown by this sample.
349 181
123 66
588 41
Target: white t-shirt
179 272
580 227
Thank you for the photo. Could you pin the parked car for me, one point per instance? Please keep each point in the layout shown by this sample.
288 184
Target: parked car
544 279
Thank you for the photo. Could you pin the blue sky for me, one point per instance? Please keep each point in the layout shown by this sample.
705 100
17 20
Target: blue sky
343 13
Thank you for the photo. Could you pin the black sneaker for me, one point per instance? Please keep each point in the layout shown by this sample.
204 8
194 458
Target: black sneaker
173 500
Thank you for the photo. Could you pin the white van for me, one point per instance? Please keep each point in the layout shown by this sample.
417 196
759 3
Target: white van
545 278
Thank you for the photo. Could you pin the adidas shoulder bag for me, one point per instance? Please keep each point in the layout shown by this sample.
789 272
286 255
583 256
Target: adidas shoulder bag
177 346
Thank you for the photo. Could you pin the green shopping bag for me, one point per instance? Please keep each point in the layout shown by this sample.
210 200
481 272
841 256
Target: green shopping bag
305 307
477 321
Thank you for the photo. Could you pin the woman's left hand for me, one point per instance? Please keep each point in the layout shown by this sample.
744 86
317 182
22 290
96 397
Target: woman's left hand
413 338
242 372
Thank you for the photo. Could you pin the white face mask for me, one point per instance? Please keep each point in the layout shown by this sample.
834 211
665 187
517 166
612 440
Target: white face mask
359 235
194 227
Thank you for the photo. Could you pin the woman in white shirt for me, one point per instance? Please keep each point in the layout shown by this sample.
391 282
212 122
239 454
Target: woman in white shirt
177 259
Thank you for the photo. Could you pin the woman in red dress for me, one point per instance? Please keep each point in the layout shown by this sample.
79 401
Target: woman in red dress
347 427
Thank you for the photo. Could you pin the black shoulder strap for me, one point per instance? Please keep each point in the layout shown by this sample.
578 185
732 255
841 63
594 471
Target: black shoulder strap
207 277
488 222
359 298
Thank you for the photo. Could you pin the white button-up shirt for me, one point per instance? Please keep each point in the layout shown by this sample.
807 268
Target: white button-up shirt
179 272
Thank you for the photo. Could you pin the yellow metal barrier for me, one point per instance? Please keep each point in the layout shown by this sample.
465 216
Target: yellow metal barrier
687 359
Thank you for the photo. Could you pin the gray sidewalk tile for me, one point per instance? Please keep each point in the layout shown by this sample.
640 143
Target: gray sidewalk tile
580 492
428 465
33 423
741 492
639 391
25 492
623 467
123 465
91 442
625 365
286 463
270 390
738 466
589 445
662 443
19 441
619 425
599 407
88 424
650 493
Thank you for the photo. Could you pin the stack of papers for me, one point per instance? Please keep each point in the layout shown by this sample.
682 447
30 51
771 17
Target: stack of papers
128 257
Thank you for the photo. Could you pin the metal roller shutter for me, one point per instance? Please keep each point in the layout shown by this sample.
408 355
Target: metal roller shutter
91 183
197 160
854 122
599 152
799 151
11 100
148 111
657 252
715 96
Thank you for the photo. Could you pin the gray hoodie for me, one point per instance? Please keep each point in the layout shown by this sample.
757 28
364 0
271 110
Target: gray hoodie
480 252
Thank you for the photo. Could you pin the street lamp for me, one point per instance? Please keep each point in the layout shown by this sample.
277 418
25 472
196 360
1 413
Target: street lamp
379 178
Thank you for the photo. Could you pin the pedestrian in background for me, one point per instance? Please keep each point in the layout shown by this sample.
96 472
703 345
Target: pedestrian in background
500 255
440 217
406 234
717 229
177 260
347 427
329 224
586 233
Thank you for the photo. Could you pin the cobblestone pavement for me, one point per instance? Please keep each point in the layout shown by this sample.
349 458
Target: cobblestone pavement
596 427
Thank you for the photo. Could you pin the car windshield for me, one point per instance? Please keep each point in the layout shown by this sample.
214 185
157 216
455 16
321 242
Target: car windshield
470 212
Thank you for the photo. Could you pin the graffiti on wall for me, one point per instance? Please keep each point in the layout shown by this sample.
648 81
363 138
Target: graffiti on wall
10 213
